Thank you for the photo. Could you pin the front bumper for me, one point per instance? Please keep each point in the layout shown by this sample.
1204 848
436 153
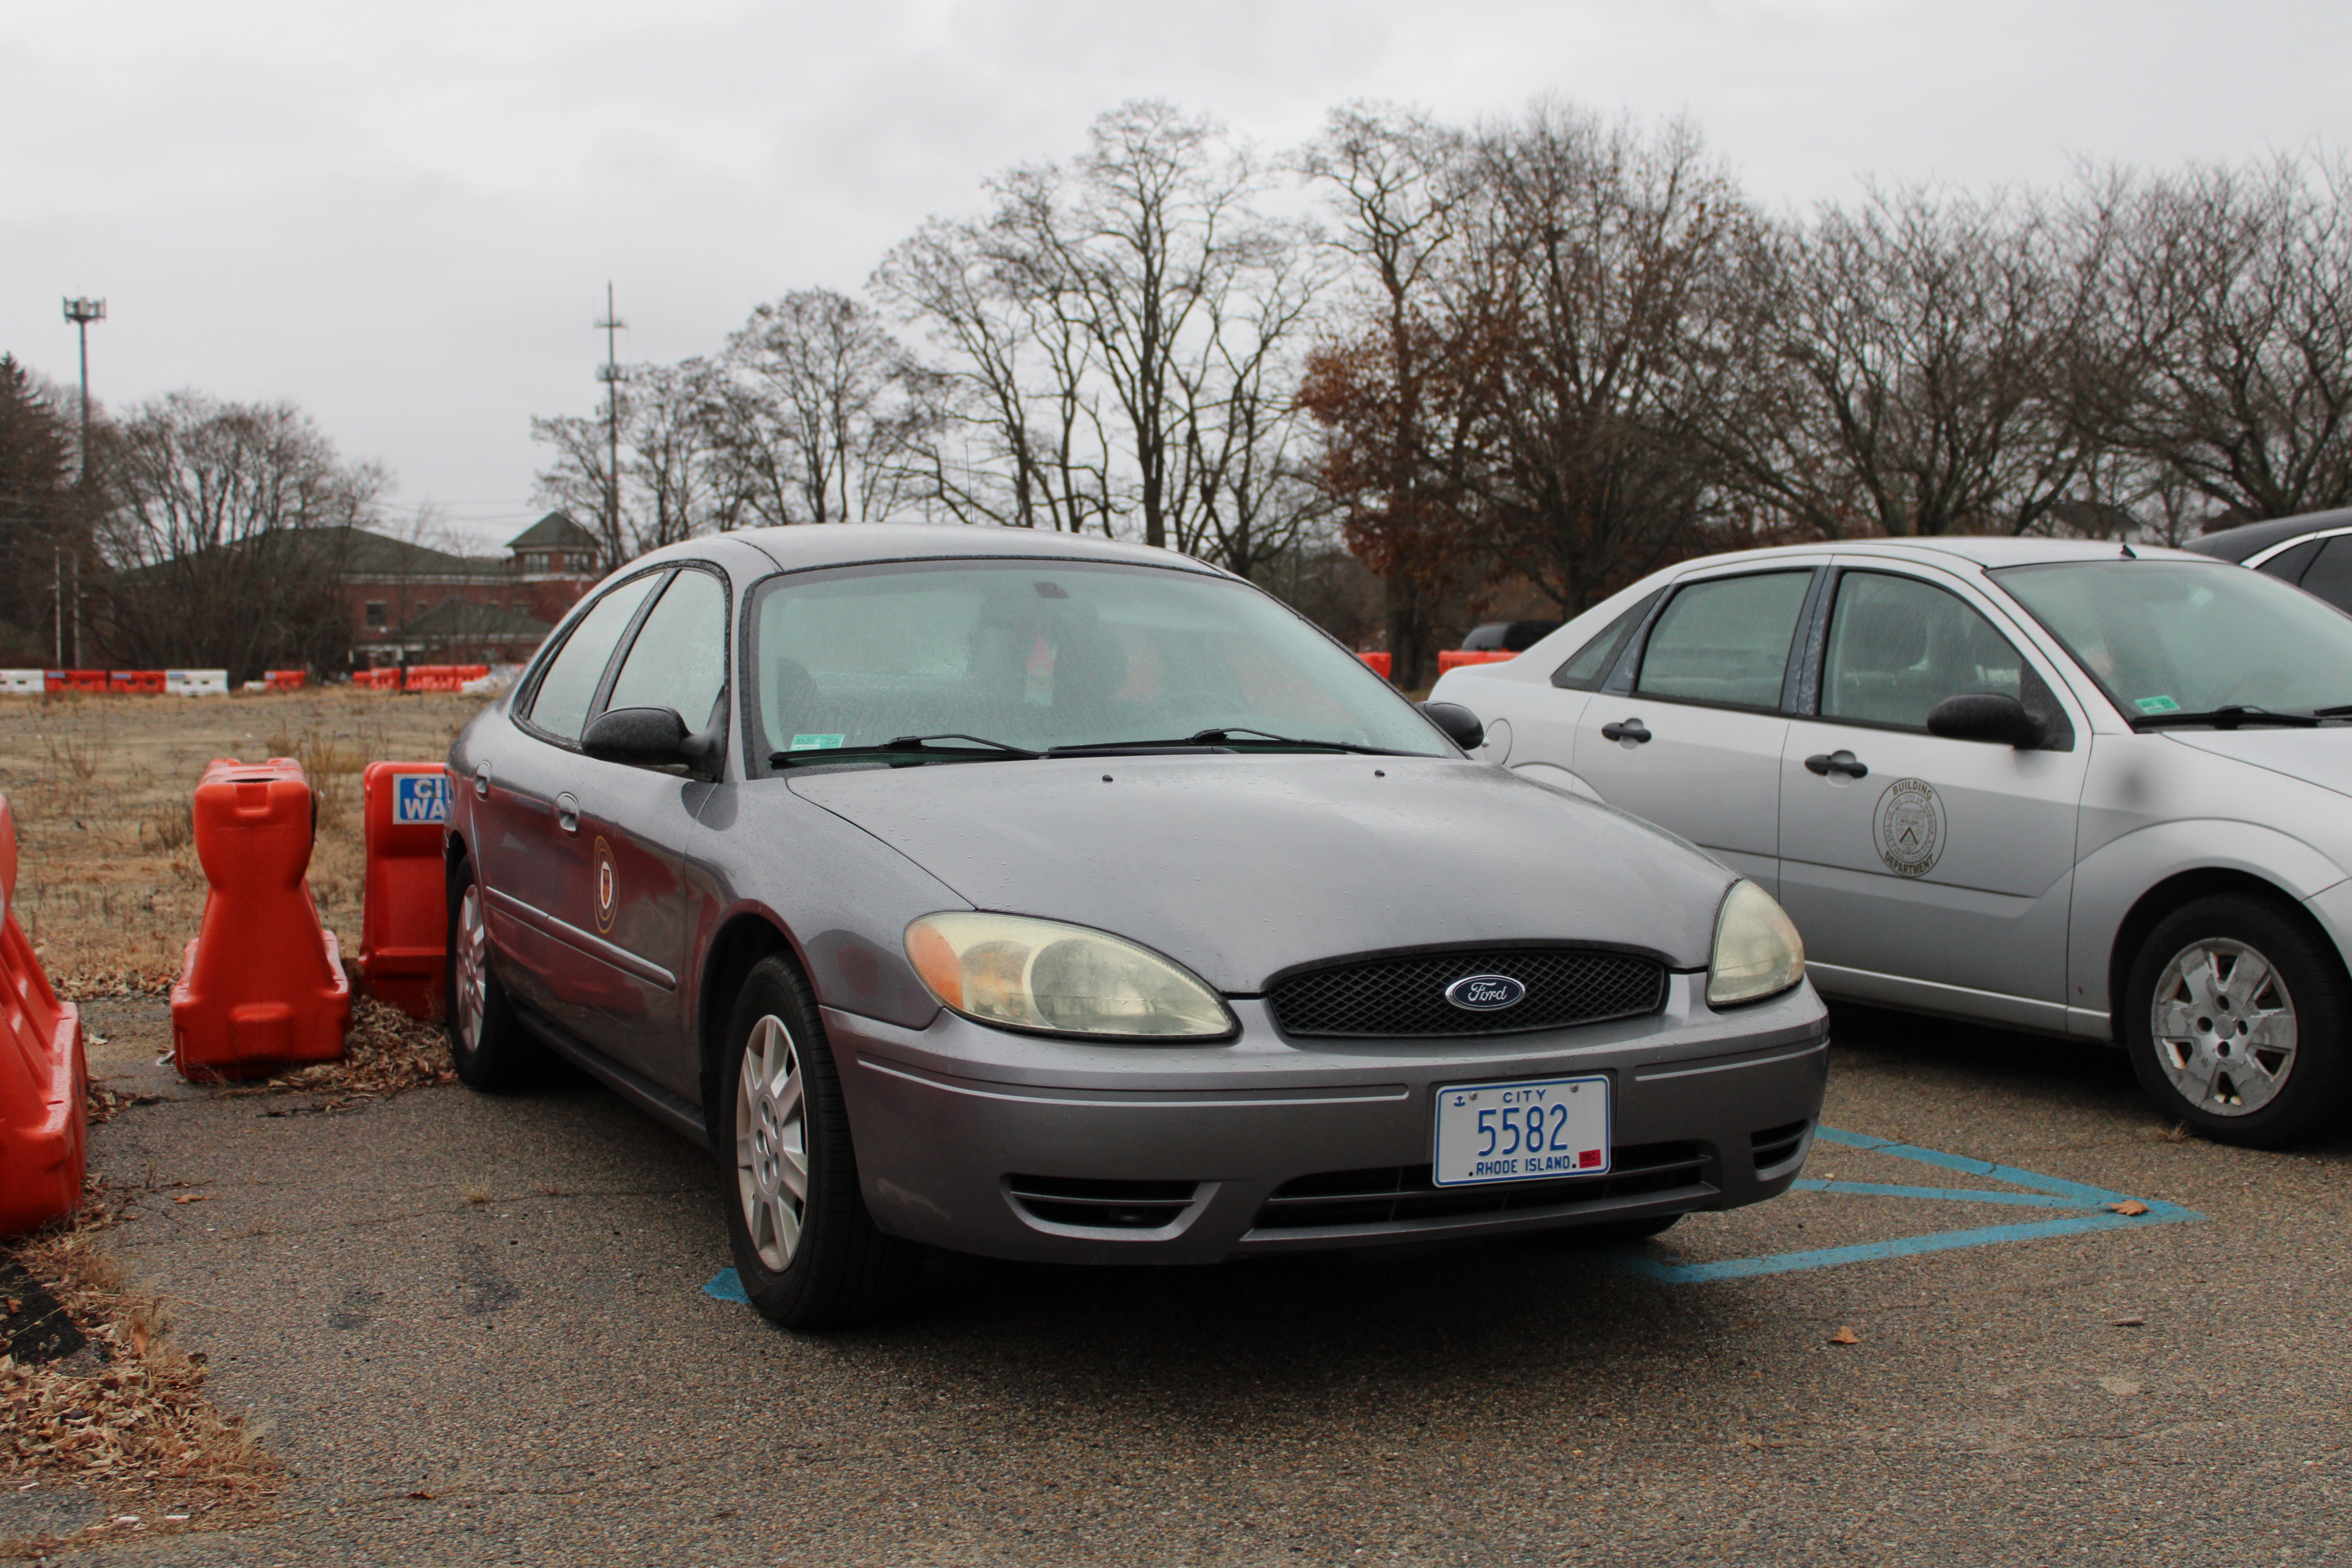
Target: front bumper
1013 1146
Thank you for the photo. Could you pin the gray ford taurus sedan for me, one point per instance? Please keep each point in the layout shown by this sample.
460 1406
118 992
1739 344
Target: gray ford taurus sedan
1058 900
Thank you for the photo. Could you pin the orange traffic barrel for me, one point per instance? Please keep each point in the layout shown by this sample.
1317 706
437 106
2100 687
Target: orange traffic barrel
262 986
44 1078
404 900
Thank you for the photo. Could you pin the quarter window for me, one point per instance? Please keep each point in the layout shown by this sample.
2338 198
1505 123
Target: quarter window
1726 641
679 659
1589 666
559 707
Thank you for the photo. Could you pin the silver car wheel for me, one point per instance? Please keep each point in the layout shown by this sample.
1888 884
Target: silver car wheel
2224 1026
772 1167
473 959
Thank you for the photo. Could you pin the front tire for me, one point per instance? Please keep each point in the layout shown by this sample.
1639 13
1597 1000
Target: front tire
2235 1016
808 1254
486 1041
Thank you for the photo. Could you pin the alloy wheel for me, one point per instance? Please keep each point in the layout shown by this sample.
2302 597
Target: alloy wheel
771 1166
2224 1026
473 957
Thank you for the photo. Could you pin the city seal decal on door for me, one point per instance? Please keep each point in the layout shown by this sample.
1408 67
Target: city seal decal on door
1909 827
608 887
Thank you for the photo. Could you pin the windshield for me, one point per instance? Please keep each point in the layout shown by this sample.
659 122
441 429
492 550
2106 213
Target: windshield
2181 637
1037 654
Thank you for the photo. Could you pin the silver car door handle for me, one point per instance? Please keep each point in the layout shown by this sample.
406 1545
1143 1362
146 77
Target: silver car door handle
567 812
1844 762
482 781
1632 730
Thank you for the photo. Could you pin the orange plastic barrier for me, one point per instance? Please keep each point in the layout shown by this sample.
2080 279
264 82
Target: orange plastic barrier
466 672
44 1078
147 681
1455 658
384 679
285 680
262 986
443 677
403 901
74 679
1382 663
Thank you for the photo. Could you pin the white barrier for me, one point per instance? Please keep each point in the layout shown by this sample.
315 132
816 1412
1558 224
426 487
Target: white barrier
19 682
196 683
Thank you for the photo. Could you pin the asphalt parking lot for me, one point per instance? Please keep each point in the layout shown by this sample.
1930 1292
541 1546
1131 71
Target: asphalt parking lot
485 1331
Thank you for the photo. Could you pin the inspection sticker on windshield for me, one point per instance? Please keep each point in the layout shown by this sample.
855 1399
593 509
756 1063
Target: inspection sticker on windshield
817 742
2157 705
1521 1132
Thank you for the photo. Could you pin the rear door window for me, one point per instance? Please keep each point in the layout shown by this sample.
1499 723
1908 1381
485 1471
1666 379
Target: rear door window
2288 565
1726 641
2330 575
1589 666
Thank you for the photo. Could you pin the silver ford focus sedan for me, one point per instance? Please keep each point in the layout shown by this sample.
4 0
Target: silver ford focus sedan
1059 899
2066 786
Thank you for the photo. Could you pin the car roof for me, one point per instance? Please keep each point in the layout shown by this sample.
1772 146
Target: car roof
2247 538
1981 550
809 545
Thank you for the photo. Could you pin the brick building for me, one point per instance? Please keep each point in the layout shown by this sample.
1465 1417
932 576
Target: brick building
411 604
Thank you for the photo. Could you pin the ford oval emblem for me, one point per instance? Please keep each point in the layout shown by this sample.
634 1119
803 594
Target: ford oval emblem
1484 993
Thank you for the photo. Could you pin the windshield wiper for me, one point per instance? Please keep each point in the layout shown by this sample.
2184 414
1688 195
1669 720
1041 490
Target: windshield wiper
2340 711
915 747
2228 716
1216 741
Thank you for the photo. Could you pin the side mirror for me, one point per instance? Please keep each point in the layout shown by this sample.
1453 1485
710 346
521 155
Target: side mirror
640 737
1460 726
1984 715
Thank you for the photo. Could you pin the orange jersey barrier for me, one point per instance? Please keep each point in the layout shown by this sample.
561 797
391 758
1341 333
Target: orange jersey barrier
1455 658
404 903
146 681
384 679
262 986
1382 663
75 681
44 1078
285 680
443 677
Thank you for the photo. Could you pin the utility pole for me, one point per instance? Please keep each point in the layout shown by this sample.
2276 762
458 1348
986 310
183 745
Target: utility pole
81 313
609 372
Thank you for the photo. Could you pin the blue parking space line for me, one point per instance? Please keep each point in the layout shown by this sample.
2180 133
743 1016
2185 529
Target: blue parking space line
1948 1194
728 1285
2040 1183
2044 1192
1873 1251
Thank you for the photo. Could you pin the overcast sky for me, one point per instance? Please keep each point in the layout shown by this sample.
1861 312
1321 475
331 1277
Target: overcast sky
402 217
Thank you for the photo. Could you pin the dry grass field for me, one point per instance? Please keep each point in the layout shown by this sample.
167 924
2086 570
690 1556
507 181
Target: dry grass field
109 889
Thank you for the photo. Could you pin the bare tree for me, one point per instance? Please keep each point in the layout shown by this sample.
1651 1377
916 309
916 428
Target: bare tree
2225 332
227 527
1924 343
674 481
813 407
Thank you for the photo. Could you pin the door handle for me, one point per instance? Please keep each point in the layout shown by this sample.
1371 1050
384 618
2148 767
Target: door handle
1631 729
567 812
482 781
1844 762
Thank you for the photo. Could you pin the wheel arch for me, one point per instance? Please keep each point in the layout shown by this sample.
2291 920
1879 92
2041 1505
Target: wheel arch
742 939
2201 882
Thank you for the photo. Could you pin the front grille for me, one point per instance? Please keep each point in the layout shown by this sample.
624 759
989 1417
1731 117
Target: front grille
1406 996
1392 1193
1777 1145
1102 1206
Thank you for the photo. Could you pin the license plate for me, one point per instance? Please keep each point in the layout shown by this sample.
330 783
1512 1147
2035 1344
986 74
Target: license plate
1521 1132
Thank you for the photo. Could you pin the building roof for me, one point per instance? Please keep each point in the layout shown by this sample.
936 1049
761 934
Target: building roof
462 620
367 554
556 531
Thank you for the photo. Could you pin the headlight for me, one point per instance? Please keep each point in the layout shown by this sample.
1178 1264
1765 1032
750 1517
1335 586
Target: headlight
1757 952
1024 974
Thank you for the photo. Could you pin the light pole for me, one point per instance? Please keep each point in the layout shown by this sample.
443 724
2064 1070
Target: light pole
81 313
612 375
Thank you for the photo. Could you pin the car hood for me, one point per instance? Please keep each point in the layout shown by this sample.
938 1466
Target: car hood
2322 757
1245 866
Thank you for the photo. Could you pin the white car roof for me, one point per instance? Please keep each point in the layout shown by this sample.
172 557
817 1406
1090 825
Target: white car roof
1979 550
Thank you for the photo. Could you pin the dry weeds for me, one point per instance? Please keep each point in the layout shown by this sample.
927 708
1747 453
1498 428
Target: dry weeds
125 1421
108 887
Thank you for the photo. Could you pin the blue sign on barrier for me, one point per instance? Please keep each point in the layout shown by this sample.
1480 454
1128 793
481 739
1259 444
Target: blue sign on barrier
420 798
